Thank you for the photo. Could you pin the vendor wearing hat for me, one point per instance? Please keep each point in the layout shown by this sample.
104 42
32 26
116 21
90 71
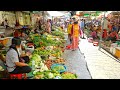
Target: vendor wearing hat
13 61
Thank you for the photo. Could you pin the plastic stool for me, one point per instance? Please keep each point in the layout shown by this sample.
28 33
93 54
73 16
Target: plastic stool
68 46
18 76
95 43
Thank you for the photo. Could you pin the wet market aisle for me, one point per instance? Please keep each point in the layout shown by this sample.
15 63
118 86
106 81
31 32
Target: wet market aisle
76 63
101 64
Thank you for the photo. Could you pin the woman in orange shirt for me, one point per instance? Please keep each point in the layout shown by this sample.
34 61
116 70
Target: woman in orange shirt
69 31
75 32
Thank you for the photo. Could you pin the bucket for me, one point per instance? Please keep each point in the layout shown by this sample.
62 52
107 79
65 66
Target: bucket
9 41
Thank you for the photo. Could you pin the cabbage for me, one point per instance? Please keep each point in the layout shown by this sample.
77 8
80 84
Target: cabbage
43 67
50 75
36 57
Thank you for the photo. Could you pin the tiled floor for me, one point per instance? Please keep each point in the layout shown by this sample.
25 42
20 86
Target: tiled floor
101 65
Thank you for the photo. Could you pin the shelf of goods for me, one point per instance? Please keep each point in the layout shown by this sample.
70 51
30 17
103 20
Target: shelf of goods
115 49
117 52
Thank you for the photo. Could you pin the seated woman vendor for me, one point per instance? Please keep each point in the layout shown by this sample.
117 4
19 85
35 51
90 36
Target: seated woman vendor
113 36
13 61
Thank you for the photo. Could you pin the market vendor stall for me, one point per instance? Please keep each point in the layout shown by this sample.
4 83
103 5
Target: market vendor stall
111 43
18 30
47 61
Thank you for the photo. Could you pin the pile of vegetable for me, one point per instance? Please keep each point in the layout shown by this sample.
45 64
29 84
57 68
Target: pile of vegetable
60 61
36 58
58 33
68 75
48 63
47 75
48 52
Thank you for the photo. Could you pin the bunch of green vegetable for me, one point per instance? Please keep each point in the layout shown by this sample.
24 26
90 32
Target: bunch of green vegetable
68 75
58 33
42 52
36 58
49 74
36 41
58 68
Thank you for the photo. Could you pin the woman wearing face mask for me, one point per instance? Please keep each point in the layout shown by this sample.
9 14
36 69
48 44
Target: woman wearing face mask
13 61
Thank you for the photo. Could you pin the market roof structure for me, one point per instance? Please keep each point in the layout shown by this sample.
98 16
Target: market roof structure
55 13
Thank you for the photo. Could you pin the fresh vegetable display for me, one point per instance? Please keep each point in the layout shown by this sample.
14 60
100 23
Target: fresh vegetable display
36 58
47 55
68 75
58 33
48 63
60 61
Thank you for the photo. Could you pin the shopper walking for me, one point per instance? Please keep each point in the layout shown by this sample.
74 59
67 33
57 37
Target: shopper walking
51 22
6 23
82 25
104 24
48 26
75 35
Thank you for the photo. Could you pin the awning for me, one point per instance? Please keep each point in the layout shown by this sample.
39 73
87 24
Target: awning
55 13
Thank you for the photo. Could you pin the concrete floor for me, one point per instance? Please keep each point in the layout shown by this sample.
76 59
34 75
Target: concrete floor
76 63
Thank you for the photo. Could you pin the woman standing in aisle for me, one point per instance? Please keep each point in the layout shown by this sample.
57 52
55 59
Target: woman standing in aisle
69 31
104 24
75 32
48 26
82 26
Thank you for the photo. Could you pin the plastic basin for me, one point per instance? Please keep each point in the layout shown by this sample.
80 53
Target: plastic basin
61 71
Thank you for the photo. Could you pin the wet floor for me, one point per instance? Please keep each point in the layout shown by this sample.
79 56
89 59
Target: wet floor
76 63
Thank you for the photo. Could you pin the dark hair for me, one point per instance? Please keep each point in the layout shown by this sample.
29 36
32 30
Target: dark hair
76 22
16 41
5 19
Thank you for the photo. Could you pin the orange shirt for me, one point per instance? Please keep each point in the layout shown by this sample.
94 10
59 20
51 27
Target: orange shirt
75 30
